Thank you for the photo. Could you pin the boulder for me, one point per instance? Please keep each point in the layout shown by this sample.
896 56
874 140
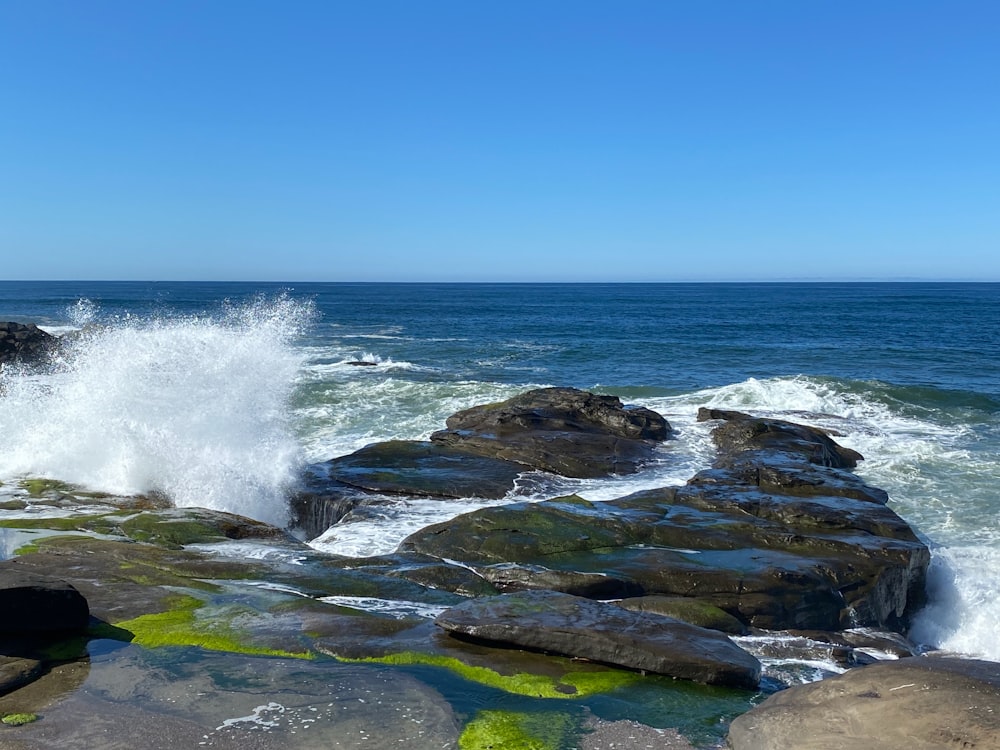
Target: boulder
582 628
24 342
563 431
33 605
743 432
917 703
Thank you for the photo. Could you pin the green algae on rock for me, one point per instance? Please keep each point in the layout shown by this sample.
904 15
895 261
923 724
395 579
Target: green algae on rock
18 720
179 626
493 730
571 685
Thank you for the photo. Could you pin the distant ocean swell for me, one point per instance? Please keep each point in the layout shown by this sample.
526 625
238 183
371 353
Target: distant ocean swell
223 411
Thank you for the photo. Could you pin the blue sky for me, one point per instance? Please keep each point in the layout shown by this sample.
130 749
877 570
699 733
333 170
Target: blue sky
499 141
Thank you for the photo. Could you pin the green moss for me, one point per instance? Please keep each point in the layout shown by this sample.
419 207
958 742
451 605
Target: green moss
181 627
169 532
17 720
67 650
571 685
498 730
36 546
38 487
70 523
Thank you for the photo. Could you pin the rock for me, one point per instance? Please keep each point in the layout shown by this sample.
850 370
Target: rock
586 629
563 431
16 671
35 605
24 342
769 535
402 467
513 577
743 432
918 703
689 610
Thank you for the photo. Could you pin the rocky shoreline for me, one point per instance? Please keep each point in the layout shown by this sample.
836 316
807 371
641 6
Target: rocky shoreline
555 603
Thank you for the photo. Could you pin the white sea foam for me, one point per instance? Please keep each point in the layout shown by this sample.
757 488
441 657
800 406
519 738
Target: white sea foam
942 477
964 608
396 608
195 408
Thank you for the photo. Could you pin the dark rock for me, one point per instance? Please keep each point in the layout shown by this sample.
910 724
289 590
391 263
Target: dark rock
337 488
401 467
361 363
24 342
689 610
742 432
507 577
912 704
526 532
16 671
583 628
771 561
559 430
34 604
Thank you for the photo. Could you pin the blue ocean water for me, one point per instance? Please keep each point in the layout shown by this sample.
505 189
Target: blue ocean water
218 393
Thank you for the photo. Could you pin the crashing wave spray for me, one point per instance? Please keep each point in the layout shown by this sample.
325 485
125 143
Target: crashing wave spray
195 408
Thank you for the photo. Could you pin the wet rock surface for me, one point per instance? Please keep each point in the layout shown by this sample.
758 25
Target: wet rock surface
777 534
24 342
32 604
915 703
772 536
587 629
560 430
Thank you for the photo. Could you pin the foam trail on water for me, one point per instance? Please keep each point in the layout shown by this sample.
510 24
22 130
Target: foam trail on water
195 408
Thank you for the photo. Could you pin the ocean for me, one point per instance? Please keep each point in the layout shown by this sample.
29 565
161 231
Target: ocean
219 394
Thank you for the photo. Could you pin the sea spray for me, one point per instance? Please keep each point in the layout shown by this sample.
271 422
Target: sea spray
195 408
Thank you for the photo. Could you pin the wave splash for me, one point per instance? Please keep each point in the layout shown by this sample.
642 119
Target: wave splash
937 455
195 408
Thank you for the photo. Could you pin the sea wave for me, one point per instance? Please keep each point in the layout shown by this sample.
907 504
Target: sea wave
193 407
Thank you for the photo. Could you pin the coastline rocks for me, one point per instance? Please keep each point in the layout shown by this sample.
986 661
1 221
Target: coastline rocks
403 467
773 537
24 342
917 703
586 629
563 431
742 432
483 453
34 605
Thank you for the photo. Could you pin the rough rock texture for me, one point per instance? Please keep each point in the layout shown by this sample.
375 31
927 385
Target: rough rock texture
402 467
773 536
918 703
34 604
24 342
587 629
483 453
560 430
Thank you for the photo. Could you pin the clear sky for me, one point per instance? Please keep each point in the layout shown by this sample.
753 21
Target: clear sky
513 140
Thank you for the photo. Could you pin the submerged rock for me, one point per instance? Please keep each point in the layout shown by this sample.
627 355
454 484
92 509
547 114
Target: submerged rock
587 629
917 703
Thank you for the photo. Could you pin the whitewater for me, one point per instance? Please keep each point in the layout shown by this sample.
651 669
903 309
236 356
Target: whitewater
222 401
